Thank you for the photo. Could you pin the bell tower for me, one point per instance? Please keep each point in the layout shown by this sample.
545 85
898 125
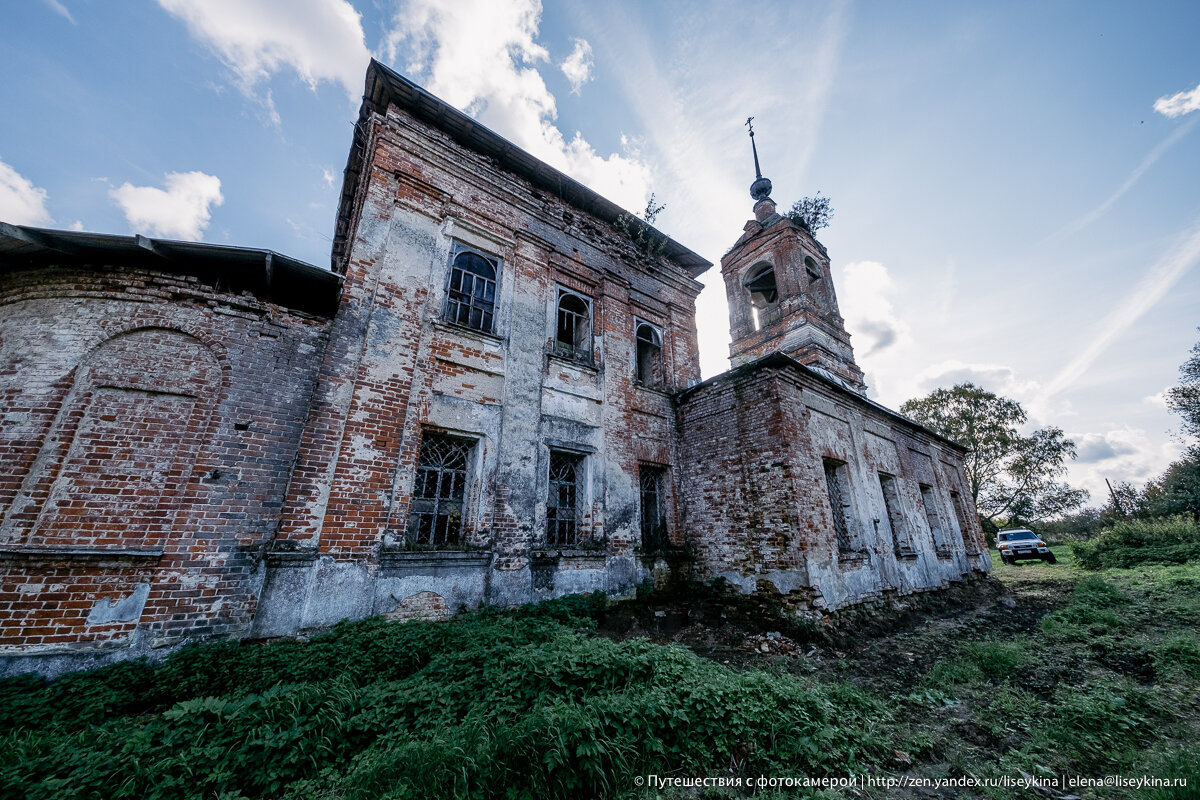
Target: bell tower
780 291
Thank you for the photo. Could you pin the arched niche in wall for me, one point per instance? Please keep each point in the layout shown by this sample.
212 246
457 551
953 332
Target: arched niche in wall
112 471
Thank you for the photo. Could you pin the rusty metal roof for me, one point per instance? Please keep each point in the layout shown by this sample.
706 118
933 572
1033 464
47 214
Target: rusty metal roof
265 273
385 87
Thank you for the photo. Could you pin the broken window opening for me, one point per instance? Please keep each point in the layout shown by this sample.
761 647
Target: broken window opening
935 522
562 504
649 354
574 335
812 268
837 484
764 297
471 294
891 508
436 519
651 481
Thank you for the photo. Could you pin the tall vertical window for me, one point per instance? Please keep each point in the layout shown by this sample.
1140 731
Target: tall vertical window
573 338
439 491
471 293
891 507
562 504
651 483
648 340
960 512
837 484
935 522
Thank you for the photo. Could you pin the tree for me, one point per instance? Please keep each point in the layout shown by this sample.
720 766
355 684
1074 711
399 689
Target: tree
1009 474
1184 399
1177 491
813 213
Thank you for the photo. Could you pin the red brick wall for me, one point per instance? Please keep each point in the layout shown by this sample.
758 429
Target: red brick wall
149 425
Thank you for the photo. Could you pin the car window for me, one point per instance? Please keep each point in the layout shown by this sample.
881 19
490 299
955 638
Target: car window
1020 536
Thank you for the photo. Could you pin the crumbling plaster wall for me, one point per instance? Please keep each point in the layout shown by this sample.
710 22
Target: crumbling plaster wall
394 368
758 513
148 422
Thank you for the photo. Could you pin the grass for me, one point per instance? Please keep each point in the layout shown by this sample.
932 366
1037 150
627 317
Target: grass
1089 674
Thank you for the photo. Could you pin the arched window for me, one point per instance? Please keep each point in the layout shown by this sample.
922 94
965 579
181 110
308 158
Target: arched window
649 354
573 338
764 296
471 295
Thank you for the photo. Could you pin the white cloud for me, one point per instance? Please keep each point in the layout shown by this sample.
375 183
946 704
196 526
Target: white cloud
329 177
21 203
182 211
1157 281
1126 454
866 304
482 57
1158 399
77 225
1179 104
60 9
578 66
321 40
1095 447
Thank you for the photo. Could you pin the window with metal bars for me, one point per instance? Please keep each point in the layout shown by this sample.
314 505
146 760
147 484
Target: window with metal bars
471 293
439 491
574 335
649 354
838 487
562 503
651 480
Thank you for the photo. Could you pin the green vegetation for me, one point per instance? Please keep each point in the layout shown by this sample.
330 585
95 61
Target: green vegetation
1091 673
1130 542
1013 478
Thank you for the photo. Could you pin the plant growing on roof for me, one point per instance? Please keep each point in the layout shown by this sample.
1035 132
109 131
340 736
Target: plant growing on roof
640 230
812 213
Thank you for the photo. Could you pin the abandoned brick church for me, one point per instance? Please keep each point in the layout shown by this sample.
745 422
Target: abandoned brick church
493 397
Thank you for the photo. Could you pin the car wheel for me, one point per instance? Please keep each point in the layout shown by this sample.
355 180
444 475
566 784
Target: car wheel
1051 559
1006 560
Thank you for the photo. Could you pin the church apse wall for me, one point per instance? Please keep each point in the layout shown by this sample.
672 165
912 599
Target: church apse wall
150 413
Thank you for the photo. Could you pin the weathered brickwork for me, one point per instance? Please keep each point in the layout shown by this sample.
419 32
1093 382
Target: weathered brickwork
755 443
148 423
397 369
494 397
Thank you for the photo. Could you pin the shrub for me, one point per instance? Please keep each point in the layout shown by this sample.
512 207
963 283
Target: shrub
1127 543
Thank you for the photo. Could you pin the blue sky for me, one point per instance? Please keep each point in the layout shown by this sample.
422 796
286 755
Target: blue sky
1015 184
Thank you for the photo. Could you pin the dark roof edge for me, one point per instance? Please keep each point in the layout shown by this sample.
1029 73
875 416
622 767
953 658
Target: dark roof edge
787 362
385 86
276 277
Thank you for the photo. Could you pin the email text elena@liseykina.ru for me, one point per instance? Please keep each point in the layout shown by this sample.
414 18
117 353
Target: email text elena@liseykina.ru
655 781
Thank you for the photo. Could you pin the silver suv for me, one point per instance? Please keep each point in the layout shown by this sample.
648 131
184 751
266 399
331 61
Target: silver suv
1017 544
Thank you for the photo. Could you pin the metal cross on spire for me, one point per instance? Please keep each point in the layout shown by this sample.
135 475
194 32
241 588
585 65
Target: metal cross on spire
761 188
750 125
